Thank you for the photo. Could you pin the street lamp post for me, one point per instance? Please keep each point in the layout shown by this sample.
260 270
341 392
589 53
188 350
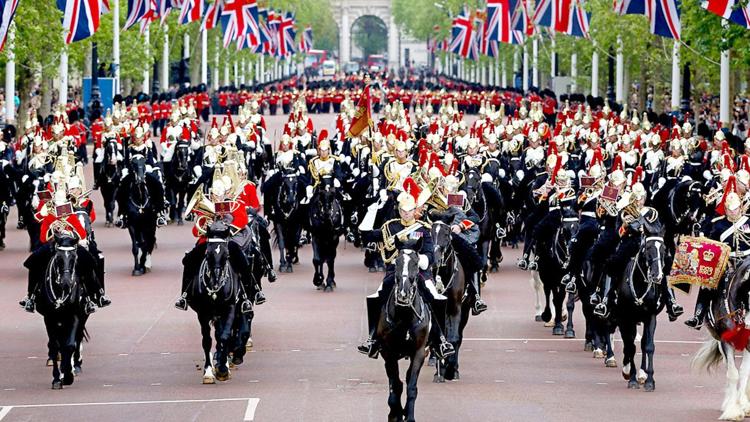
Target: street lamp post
611 76
95 103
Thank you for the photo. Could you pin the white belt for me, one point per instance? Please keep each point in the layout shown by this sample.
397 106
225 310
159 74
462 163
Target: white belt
589 214
554 208
740 254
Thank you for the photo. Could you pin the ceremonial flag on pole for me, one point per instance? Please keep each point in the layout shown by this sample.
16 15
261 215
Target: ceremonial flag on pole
564 16
731 10
191 11
663 15
306 41
81 18
521 21
363 116
212 16
139 10
239 17
497 25
630 7
286 35
462 37
9 11
163 8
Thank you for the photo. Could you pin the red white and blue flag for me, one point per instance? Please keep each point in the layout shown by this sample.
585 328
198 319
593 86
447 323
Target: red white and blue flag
212 16
521 21
663 15
287 34
731 10
81 18
9 11
462 35
565 16
191 11
306 41
163 8
239 18
497 25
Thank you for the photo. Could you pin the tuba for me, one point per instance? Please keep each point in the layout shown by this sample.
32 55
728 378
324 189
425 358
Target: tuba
199 204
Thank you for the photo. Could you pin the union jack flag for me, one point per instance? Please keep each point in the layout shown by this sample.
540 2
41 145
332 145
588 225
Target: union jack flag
306 41
212 16
728 9
139 10
462 35
191 11
81 18
286 35
630 7
663 15
521 21
565 16
164 6
238 18
9 10
497 26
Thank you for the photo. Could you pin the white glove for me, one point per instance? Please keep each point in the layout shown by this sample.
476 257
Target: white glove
336 183
301 169
198 171
347 159
270 173
125 172
84 243
24 178
501 173
35 203
251 144
687 178
707 175
375 184
355 172
149 169
661 182
424 262
486 178
309 192
519 174
375 171
383 195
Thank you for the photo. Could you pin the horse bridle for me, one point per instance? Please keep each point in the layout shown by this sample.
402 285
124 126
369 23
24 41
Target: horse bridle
283 192
659 241
53 276
224 272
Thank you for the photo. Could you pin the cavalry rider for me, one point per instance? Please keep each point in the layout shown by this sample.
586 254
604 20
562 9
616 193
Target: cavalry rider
730 227
324 165
220 191
634 214
57 216
398 168
536 200
420 241
463 221
81 202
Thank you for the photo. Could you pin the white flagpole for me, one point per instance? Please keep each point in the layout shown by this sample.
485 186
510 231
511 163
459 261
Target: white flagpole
619 74
595 73
147 40
724 87
574 72
10 77
204 57
675 76
115 43
165 62
63 88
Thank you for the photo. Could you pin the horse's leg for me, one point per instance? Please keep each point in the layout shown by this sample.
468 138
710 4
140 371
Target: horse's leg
51 326
627 330
208 369
331 261
67 349
539 287
395 388
223 333
412 376
571 306
744 378
731 407
282 247
317 264
136 249
558 297
647 355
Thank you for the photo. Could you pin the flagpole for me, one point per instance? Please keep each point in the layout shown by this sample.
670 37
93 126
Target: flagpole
204 57
595 73
535 62
186 55
724 86
115 44
675 76
165 61
620 73
147 42
63 88
215 76
10 77
525 76
574 72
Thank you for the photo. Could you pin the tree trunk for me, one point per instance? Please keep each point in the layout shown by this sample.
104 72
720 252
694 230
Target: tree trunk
24 82
46 106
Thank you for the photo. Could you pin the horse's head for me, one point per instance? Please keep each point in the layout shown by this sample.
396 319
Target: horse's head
473 185
441 238
407 271
217 256
696 204
326 207
138 168
288 193
110 152
653 250
63 263
181 157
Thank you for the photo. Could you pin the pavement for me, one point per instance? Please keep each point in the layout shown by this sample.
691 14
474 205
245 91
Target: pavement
142 362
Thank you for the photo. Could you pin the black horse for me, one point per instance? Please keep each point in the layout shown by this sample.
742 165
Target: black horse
109 179
326 221
138 202
639 301
285 214
215 293
488 207
60 301
178 174
450 279
403 328
553 254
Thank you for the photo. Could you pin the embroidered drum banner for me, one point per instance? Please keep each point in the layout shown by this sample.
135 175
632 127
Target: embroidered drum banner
698 261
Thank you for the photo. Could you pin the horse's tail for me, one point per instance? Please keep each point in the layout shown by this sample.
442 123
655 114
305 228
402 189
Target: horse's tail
708 357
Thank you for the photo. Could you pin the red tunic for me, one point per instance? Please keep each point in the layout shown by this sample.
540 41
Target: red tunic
72 222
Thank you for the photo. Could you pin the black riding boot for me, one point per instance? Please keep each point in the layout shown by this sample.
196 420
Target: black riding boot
701 308
370 347
674 309
440 346
602 309
479 304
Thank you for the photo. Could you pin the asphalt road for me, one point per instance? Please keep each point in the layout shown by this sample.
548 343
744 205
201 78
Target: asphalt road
140 364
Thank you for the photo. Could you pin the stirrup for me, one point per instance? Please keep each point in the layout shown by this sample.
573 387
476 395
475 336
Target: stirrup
89 308
674 311
571 287
260 298
696 322
445 349
522 264
271 275
594 299
601 310
479 307
104 301
246 307
533 266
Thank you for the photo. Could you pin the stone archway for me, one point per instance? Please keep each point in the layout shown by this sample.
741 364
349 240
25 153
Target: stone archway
346 12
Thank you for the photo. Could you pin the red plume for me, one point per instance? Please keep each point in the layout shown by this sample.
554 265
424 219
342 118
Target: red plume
596 158
637 176
323 134
214 124
728 163
552 150
185 133
617 163
411 187
745 163
558 164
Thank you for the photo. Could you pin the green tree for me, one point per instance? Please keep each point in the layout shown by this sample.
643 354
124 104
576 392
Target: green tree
370 35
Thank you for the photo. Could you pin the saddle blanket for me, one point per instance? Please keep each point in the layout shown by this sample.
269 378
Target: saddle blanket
698 261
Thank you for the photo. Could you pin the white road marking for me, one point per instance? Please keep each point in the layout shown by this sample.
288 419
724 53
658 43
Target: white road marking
165 353
156 384
549 382
32 357
9 389
123 354
4 411
526 340
601 383
250 411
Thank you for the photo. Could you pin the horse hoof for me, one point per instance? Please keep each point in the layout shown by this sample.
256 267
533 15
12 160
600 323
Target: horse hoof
68 378
223 376
538 318
649 387
641 377
557 331
236 361
209 379
431 361
180 223
438 379
546 315
137 273
49 362
588 347
598 354
77 371
249 344
372 270
57 385
633 385
610 363
570 334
